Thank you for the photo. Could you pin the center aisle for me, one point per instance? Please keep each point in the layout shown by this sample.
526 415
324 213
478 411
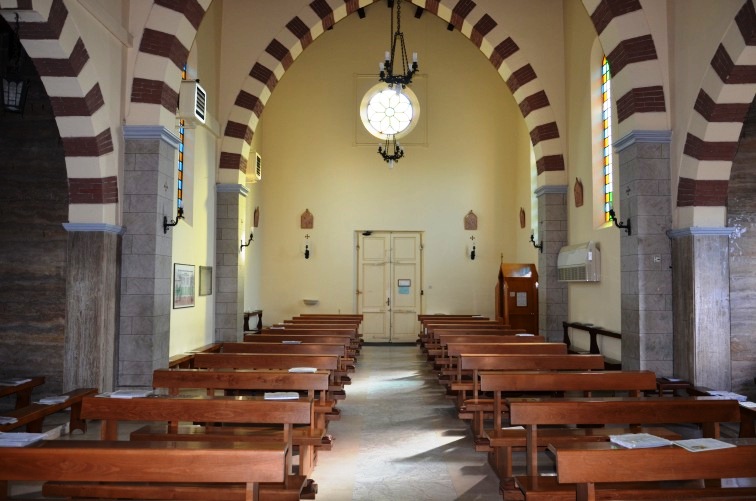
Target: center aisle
399 438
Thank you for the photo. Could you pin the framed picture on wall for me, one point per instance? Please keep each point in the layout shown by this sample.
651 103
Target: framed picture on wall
206 280
183 285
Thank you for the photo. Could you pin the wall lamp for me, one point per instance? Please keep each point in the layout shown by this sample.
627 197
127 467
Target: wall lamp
472 253
537 246
243 245
166 224
307 247
620 224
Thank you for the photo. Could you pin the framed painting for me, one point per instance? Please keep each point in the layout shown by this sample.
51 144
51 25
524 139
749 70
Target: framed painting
205 280
183 285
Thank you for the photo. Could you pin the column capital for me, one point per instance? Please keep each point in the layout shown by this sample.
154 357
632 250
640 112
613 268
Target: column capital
551 189
643 136
151 132
701 231
232 188
95 227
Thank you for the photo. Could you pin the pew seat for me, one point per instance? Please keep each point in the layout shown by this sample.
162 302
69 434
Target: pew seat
33 415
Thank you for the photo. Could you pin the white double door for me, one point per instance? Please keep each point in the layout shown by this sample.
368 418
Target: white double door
389 292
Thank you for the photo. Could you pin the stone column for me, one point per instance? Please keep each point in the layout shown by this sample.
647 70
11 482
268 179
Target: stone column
644 198
229 301
92 292
552 233
148 195
701 273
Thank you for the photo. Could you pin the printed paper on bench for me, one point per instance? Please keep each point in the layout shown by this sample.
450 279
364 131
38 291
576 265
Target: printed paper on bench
748 405
702 444
130 393
727 394
19 439
8 420
281 395
639 440
291 342
13 381
524 334
58 399
303 369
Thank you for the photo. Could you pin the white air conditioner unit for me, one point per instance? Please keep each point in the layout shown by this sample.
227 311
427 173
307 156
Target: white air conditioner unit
579 263
258 167
192 103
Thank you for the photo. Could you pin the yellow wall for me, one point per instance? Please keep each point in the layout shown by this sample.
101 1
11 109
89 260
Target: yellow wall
596 302
476 159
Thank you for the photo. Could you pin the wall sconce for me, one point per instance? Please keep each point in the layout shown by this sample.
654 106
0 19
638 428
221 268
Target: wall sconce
166 224
472 252
537 246
243 245
620 224
307 247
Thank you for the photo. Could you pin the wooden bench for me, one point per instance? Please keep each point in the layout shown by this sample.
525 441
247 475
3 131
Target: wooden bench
708 412
454 350
200 470
21 388
316 385
175 415
33 415
646 473
593 333
352 348
476 408
440 350
328 363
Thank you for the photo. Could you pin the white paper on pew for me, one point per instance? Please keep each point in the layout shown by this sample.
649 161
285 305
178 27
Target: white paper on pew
513 428
59 399
281 395
748 405
639 440
7 420
19 439
278 327
702 444
524 334
303 369
291 342
13 381
130 393
727 394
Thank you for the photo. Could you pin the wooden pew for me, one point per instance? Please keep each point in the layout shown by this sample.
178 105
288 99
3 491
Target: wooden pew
207 471
435 344
21 388
709 412
440 353
346 363
282 337
316 384
33 415
645 473
170 411
454 350
328 363
476 408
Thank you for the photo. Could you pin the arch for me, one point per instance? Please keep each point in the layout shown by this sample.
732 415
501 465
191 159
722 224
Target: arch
722 103
636 72
470 19
52 40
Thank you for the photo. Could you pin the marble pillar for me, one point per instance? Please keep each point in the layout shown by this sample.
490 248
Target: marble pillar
229 300
149 188
552 233
644 194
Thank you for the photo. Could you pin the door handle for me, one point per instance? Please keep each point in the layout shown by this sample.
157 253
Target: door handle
388 301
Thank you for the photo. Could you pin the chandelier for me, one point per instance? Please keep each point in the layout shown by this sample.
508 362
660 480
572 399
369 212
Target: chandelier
388 74
391 151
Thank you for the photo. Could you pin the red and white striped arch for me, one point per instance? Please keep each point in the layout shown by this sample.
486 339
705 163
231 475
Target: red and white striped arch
52 41
728 89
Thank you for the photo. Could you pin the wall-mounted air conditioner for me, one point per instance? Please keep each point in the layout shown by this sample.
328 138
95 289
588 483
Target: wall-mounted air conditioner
192 103
579 263
257 175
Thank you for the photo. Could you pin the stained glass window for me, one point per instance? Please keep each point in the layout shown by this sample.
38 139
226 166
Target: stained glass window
180 182
389 112
606 119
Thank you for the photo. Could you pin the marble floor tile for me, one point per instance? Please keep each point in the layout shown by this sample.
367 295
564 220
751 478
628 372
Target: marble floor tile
399 438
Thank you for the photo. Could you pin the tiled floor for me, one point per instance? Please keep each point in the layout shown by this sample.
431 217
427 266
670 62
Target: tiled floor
399 438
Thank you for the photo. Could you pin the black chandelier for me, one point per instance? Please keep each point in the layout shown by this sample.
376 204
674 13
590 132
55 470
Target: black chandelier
391 145
388 74
14 86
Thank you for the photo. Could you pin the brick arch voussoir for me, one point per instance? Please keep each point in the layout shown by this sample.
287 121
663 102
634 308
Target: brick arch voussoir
66 70
172 27
299 33
718 114
642 105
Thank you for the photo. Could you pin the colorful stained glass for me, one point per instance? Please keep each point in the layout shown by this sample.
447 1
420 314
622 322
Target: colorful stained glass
180 182
606 118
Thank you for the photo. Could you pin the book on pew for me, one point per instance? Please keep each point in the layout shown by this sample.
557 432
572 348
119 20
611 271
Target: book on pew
303 369
727 394
7 420
291 342
702 444
748 405
281 395
19 439
126 394
639 440
58 399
